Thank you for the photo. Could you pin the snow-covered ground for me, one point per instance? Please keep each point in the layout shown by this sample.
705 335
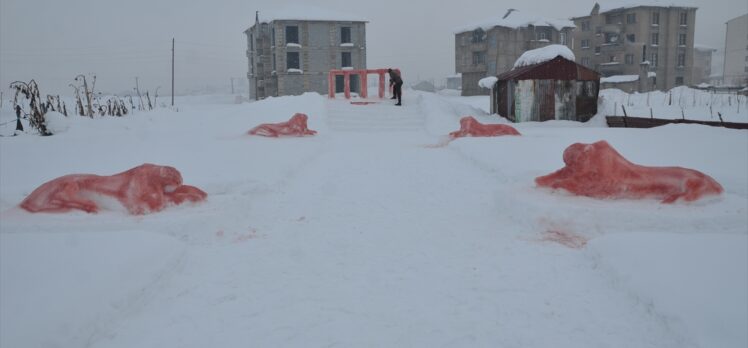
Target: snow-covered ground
364 235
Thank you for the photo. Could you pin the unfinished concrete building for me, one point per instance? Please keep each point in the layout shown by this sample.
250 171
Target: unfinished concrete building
491 47
289 54
617 40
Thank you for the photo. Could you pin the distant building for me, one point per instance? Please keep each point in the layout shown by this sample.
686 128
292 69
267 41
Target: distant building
702 64
290 54
454 81
736 52
615 40
491 47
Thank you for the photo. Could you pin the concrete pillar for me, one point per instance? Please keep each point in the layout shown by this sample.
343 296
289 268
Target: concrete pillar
644 77
347 84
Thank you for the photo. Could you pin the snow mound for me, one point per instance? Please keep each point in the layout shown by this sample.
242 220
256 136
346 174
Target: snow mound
597 170
295 127
141 190
543 54
517 19
470 127
56 122
487 82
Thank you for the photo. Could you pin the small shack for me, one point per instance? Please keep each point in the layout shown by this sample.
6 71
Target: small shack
546 84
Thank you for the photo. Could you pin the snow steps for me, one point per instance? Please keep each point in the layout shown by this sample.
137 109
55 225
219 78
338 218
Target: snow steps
379 116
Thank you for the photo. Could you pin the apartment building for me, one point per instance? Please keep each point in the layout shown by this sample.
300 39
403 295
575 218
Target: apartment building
491 47
736 52
289 54
617 40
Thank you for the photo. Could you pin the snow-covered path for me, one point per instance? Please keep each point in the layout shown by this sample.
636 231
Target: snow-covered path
355 239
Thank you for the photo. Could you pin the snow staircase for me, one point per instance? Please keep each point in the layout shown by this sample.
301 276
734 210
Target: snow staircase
380 115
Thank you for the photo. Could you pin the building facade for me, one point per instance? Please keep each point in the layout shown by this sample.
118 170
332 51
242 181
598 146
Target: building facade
288 56
616 40
736 52
491 48
702 64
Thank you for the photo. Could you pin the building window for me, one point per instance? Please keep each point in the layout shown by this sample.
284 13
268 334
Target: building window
653 61
629 59
292 35
292 60
655 39
684 18
598 30
631 37
346 60
679 80
251 42
542 36
682 39
562 38
478 35
345 35
586 61
681 60
631 18
586 43
655 18
274 69
272 44
585 25
613 59
597 49
479 58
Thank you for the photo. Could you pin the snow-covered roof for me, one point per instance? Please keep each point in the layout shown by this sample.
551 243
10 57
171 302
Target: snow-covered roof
307 13
703 85
516 19
608 6
619 79
543 54
488 82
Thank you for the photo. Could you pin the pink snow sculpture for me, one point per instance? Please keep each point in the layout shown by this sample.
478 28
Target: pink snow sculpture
599 171
295 127
470 127
147 188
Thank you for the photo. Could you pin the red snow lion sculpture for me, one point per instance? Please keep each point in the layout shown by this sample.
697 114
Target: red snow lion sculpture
295 127
144 189
470 127
599 171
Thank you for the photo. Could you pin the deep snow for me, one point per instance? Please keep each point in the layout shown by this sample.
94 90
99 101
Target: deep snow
364 235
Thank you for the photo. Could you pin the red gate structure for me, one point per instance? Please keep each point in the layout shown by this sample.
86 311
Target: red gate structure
363 74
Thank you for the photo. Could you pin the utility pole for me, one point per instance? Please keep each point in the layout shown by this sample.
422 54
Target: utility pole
172 71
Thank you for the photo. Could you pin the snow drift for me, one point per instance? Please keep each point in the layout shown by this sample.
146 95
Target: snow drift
295 127
144 189
599 171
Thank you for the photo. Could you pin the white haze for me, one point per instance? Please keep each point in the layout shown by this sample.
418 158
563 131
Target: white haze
53 41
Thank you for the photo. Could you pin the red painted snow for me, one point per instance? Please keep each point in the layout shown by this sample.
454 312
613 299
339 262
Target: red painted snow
565 238
597 170
295 127
470 127
144 189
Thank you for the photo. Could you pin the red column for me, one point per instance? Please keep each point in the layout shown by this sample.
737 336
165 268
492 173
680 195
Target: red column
381 84
364 84
331 85
347 79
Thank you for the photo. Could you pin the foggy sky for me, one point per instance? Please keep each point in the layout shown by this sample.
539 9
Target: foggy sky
54 40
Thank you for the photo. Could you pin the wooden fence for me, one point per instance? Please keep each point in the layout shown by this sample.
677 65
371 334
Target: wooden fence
643 122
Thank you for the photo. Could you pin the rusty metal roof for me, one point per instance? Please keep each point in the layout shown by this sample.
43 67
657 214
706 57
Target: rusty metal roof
558 68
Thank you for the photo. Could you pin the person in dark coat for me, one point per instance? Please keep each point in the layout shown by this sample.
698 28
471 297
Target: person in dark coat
397 90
